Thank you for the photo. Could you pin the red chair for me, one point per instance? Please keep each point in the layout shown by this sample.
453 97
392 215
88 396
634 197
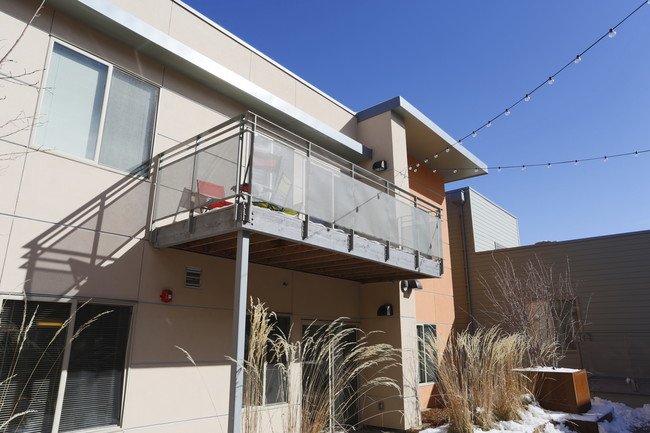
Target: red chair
209 193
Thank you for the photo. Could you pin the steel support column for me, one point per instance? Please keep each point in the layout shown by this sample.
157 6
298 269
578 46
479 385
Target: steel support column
238 331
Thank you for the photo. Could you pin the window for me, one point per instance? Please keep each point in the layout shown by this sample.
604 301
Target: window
426 337
32 362
274 380
94 111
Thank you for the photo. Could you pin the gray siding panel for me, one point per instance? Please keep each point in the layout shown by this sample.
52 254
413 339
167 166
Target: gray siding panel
491 224
612 278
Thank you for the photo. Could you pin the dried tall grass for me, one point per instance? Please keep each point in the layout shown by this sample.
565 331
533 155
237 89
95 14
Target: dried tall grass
338 365
476 376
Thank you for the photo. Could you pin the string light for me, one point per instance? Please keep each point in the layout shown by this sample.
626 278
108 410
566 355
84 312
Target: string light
577 59
524 167
474 134
570 161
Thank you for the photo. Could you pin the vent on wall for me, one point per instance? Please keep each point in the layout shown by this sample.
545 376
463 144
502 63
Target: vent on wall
193 278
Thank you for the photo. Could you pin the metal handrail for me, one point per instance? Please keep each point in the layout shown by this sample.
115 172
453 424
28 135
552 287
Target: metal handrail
245 128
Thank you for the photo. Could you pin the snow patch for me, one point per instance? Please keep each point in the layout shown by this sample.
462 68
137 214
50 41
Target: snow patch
625 419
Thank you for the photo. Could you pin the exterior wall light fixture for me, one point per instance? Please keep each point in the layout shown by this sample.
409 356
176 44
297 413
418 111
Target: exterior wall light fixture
408 285
380 165
385 310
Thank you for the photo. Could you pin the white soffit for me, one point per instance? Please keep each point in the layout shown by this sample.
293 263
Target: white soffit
107 18
424 139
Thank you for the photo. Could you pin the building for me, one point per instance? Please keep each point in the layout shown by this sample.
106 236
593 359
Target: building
610 275
166 171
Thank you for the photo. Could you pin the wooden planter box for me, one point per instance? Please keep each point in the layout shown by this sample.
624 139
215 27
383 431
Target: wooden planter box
562 389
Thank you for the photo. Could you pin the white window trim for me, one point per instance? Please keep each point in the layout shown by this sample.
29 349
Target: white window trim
42 90
74 304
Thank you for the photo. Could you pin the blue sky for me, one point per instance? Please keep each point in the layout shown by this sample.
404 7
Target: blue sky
461 63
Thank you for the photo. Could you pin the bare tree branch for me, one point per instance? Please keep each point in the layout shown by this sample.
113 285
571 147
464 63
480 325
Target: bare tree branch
530 299
36 14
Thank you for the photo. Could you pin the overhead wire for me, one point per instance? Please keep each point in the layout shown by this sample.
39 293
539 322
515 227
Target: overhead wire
611 33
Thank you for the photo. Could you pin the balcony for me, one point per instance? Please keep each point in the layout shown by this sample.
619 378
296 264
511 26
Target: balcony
303 207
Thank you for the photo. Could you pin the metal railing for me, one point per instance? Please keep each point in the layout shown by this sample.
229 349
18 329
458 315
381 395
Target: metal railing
249 161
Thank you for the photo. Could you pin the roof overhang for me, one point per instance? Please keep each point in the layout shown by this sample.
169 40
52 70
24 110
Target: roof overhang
144 38
424 139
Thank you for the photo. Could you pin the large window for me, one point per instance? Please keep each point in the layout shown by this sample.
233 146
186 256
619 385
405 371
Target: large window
92 110
49 385
427 366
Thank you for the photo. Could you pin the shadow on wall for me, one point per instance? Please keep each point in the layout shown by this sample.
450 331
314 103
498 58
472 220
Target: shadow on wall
96 250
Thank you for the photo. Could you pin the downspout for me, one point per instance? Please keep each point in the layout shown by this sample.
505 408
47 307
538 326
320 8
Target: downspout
468 284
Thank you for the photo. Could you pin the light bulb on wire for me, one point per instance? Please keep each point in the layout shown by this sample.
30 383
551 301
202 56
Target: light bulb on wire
611 33
474 134
527 97
490 122
578 59
550 80
507 112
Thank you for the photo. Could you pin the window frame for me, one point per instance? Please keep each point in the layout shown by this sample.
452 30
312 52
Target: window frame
100 133
74 304
422 353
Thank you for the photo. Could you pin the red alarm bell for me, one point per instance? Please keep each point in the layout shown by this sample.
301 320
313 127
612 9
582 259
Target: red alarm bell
166 296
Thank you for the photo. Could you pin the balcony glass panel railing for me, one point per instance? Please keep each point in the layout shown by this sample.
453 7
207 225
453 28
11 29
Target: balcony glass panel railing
254 165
